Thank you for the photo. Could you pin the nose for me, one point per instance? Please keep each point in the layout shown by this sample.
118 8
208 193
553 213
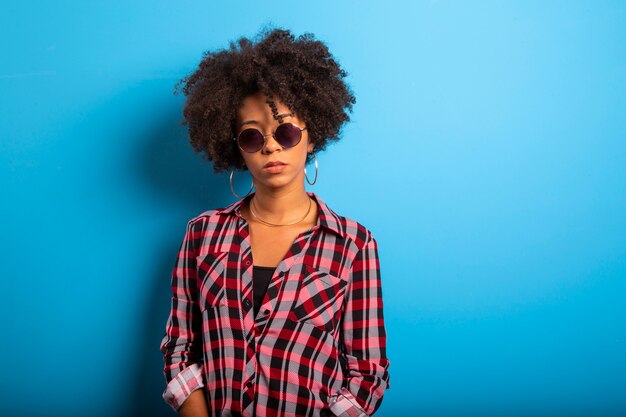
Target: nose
271 144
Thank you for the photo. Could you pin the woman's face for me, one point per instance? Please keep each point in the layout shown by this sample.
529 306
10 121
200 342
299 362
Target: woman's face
256 113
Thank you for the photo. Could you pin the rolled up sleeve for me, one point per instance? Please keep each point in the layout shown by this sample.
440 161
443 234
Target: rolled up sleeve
181 345
364 339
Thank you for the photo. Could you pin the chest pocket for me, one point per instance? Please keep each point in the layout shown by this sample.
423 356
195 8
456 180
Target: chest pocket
319 299
211 269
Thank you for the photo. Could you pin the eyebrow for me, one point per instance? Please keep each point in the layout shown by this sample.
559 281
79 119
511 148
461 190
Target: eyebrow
250 122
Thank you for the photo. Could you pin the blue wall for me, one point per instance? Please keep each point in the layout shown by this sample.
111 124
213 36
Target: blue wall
487 153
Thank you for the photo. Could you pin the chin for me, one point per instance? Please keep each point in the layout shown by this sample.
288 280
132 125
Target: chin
276 181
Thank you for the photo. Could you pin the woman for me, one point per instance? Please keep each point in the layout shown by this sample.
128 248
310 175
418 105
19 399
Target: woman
276 299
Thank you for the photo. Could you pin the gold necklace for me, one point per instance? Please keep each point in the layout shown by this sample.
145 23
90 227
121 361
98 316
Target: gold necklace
274 224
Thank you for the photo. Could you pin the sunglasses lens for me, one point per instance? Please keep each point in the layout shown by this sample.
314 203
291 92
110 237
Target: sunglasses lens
250 140
288 135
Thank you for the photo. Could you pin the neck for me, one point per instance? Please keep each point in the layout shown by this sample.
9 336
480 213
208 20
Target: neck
280 206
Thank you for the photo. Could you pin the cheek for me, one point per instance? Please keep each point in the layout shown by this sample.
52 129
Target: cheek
254 160
300 159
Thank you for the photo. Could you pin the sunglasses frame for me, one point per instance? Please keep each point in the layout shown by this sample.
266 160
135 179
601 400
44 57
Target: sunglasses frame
273 134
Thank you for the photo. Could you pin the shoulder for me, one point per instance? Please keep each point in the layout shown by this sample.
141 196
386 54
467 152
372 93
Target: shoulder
206 220
206 215
211 230
354 230
354 234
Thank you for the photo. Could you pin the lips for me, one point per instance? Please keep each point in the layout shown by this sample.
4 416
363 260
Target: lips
273 163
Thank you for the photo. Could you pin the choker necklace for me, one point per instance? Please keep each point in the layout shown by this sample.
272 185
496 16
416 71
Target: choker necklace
274 224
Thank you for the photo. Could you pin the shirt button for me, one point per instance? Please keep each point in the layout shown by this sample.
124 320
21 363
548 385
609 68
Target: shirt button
246 303
249 384
281 273
247 262
266 312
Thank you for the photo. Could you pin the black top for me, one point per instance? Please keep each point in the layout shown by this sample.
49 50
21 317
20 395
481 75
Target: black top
261 277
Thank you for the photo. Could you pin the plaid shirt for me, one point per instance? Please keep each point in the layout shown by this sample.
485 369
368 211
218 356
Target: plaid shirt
315 348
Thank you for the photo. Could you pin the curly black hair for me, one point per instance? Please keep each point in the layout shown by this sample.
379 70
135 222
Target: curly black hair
300 72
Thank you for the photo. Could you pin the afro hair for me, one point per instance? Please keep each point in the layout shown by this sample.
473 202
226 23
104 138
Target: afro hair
300 72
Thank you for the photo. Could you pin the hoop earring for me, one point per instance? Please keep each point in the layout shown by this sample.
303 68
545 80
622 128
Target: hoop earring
307 178
233 190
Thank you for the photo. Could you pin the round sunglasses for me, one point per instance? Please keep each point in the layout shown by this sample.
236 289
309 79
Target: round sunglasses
252 140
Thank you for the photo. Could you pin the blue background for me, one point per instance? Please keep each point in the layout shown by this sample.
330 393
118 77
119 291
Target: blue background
486 153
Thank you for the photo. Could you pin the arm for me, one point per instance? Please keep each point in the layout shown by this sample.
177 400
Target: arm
364 339
182 343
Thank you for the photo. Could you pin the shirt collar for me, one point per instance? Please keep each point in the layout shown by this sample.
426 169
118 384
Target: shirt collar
327 218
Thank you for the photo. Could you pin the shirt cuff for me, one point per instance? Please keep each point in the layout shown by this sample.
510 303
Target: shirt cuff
181 386
343 404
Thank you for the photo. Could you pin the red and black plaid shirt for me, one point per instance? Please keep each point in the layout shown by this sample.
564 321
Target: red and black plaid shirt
317 345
